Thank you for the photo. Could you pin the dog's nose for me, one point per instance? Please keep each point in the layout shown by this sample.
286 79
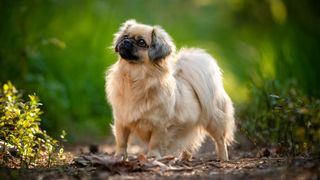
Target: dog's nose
126 42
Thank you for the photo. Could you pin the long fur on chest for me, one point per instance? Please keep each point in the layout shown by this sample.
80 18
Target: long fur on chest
140 92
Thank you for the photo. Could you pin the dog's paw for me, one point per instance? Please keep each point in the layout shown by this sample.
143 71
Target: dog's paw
120 155
185 156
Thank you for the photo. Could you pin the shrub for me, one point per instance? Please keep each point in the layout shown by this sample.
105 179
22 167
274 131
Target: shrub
22 142
280 115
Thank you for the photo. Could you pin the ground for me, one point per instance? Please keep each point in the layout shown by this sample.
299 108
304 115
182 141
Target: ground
97 162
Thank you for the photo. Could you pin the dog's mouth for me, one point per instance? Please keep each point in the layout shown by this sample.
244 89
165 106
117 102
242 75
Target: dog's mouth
127 55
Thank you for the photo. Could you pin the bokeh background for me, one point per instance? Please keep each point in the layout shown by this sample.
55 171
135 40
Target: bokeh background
60 50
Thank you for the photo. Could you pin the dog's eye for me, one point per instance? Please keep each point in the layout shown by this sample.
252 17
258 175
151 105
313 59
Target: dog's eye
141 43
125 37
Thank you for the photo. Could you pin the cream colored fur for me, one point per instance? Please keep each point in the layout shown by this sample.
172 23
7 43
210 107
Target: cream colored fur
171 106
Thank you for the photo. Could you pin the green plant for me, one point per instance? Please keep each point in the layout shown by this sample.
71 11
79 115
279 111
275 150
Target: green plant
22 142
280 115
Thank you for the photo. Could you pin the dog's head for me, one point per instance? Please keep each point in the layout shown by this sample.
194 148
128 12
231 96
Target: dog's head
139 43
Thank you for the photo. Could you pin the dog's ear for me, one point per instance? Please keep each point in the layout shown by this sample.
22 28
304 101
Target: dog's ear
161 45
123 28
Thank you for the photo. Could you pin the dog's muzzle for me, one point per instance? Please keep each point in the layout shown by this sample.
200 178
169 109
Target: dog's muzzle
126 50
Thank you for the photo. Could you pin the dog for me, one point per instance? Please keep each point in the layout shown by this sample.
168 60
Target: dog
170 100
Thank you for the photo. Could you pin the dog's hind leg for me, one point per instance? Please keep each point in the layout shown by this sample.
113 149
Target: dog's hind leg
218 135
221 148
192 142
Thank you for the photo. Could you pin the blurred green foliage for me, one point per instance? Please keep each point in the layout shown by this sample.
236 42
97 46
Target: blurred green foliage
21 139
280 116
60 49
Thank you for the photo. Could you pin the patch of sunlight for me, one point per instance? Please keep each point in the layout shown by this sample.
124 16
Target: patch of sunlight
267 60
238 91
278 11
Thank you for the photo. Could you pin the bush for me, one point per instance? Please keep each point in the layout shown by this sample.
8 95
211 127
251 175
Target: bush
280 115
22 142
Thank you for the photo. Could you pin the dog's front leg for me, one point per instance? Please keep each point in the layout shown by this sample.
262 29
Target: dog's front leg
121 133
156 146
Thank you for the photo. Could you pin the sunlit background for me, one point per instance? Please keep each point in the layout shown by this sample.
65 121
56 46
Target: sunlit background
59 49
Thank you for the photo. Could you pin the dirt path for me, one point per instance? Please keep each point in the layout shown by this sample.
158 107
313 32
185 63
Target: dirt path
244 164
